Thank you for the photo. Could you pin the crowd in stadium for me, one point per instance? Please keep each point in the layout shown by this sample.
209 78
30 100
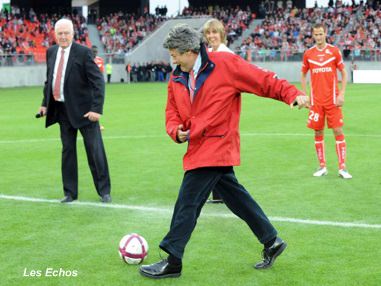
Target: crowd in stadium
283 34
25 35
155 71
286 33
121 32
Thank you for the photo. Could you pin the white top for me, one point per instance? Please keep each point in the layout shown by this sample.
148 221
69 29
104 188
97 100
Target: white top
58 58
222 48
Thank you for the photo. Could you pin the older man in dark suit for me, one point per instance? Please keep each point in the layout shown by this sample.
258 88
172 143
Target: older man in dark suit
73 97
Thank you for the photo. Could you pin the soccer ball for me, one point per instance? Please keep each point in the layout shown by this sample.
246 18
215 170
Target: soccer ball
133 248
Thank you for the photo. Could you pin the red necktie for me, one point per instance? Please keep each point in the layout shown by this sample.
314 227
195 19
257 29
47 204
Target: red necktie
191 85
57 83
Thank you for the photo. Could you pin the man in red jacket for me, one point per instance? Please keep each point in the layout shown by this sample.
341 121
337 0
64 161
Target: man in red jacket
203 109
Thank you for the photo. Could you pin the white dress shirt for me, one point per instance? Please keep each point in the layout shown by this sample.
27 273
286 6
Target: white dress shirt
58 58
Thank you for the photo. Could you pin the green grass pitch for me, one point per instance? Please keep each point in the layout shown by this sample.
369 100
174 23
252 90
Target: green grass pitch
278 159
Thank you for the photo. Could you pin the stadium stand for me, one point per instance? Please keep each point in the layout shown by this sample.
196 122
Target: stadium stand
277 31
24 37
121 32
286 33
283 34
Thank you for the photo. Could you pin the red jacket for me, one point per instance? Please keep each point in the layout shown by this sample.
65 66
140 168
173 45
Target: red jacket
213 117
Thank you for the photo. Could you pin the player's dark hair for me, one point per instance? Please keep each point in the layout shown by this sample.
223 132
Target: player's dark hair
318 26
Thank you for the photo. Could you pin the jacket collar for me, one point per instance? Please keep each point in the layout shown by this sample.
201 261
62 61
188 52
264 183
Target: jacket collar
70 60
206 68
204 60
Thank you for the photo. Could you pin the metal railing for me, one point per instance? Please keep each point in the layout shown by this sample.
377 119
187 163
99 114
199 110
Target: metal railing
17 60
39 58
266 55
262 55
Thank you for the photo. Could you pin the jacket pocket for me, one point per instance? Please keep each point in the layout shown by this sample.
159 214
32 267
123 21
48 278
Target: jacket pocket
216 132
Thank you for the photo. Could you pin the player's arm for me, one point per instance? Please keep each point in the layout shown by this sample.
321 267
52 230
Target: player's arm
303 82
340 98
304 71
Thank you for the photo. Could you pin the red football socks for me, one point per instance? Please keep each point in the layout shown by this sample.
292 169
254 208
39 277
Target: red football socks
341 150
320 152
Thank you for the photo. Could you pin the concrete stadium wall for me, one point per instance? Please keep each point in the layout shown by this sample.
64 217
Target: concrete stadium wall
22 76
35 75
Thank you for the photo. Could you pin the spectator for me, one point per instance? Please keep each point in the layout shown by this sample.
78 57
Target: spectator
109 71
128 72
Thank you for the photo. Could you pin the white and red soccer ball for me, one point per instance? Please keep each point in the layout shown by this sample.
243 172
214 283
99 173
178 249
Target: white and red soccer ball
133 248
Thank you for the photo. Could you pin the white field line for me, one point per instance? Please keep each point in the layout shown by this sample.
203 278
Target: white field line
16 141
168 211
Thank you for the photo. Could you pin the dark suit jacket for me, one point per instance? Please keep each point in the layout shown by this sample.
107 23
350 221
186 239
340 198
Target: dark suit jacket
84 86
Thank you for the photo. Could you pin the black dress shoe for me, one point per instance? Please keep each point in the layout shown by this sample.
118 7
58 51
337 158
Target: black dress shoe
161 269
67 199
106 199
271 253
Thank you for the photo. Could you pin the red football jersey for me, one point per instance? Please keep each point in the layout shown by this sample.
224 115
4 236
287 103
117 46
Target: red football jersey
100 63
323 65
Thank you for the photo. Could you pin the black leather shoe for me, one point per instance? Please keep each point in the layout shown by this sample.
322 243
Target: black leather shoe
271 253
161 269
106 199
67 199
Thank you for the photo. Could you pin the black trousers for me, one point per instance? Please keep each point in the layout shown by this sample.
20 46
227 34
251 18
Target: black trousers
216 195
194 191
95 152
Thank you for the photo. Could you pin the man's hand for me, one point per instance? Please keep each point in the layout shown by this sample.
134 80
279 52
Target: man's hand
301 101
340 99
92 116
182 136
42 111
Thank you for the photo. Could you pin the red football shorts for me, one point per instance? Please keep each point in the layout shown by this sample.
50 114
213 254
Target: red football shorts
317 115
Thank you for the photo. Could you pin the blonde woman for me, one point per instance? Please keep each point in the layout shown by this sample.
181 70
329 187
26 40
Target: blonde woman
215 36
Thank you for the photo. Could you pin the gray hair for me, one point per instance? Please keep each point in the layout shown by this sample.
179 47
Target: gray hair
183 38
64 22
